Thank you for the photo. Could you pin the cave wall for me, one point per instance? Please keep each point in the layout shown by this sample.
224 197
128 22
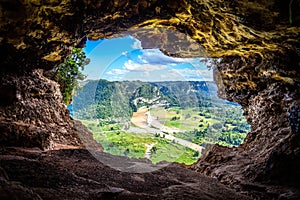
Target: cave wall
260 69
270 100
33 115
48 29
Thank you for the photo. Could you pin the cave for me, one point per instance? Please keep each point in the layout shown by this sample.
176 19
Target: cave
45 154
153 106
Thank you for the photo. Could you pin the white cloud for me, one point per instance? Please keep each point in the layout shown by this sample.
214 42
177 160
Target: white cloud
124 53
133 66
171 75
141 59
155 56
153 65
195 74
117 72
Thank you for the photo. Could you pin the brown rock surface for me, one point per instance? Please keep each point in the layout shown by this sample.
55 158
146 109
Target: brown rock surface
270 99
36 116
258 41
76 174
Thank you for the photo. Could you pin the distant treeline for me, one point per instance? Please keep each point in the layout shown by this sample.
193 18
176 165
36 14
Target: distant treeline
102 99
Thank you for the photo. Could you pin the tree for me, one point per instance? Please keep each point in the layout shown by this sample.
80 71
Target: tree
196 154
153 150
68 73
174 118
217 126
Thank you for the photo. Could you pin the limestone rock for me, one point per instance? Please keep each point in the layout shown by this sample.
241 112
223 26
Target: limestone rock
35 116
257 40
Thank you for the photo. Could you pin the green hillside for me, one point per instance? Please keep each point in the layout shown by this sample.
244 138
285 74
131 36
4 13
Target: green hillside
117 100
192 107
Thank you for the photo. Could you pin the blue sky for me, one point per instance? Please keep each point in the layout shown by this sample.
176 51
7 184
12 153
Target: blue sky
124 59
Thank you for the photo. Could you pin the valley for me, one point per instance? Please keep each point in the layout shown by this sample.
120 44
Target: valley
165 121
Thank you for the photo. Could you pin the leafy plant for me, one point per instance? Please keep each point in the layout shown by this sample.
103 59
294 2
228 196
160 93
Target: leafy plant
68 73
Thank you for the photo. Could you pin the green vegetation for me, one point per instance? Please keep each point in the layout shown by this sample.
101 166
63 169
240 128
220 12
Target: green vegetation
118 100
172 152
225 125
191 109
68 74
112 101
106 100
124 144
117 142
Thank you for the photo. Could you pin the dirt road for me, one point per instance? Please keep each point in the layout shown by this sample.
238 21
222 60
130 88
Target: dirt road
141 119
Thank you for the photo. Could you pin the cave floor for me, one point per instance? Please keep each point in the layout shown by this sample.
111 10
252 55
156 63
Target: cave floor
76 174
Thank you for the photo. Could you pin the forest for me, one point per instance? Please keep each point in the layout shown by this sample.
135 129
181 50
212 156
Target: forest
192 108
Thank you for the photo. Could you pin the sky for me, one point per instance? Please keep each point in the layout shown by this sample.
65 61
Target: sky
121 59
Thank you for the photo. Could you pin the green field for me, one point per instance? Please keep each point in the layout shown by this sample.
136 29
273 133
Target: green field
208 125
117 142
192 110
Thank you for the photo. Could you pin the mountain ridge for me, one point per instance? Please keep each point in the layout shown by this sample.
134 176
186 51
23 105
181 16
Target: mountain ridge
104 99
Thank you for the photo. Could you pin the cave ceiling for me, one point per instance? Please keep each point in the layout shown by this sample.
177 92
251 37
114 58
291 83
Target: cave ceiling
256 36
41 33
257 40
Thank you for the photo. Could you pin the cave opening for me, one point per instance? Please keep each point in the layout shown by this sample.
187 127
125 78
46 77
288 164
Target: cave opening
259 43
141 103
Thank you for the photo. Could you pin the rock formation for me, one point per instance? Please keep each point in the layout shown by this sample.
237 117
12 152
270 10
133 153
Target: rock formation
257 40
